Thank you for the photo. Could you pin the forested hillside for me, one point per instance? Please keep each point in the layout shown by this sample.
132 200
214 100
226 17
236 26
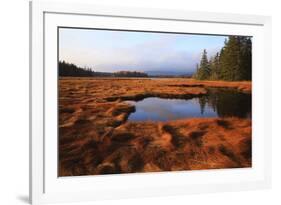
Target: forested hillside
71 70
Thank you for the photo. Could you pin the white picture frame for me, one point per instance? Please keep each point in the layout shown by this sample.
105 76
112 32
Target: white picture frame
46 186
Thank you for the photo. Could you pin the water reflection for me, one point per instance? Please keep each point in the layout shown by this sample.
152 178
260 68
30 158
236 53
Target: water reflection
228 102
218 103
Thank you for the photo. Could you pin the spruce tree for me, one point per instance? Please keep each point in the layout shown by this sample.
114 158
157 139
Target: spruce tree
204 69
215 67
245 58
230 60
195 74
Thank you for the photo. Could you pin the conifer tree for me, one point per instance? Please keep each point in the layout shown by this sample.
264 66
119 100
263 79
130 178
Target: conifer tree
230 60
245 58
215 67
195 74
204 69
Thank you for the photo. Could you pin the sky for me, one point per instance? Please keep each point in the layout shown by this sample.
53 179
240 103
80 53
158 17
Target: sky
111 51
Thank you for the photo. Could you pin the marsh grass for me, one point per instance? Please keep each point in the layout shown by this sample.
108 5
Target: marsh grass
96 138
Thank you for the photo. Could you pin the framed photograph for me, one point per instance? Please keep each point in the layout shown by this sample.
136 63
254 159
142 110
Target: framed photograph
130 102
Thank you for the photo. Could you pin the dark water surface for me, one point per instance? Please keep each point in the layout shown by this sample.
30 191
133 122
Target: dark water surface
217 103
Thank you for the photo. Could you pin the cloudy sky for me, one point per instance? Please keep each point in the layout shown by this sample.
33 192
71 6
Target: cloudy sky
109 51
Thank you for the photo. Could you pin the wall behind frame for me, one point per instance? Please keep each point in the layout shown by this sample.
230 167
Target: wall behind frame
15 89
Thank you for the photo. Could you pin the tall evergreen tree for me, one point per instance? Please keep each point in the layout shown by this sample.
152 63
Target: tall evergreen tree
245 57
195 74
204 69
215 67
230 60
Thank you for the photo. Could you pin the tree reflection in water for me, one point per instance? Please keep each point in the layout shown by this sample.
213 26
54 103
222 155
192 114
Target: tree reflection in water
227 102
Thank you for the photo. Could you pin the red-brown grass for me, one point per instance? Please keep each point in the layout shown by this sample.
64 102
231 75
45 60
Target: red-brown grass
96 138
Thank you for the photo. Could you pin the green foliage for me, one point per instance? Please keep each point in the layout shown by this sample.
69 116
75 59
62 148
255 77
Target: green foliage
130 74
215 67
204 69
233 63
69 69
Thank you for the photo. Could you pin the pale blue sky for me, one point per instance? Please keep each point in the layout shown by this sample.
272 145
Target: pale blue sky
109 51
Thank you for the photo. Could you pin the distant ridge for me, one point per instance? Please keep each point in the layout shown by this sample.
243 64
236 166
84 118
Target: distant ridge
171 73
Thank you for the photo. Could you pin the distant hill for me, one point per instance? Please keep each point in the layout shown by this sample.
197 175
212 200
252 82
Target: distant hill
72 70
169 73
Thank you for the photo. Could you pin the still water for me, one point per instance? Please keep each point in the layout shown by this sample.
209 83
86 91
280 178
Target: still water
218 103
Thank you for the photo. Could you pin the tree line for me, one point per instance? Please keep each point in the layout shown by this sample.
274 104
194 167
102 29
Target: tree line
72 70
129 74
232 63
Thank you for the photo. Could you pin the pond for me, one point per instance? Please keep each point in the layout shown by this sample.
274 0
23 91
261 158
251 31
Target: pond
217 103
